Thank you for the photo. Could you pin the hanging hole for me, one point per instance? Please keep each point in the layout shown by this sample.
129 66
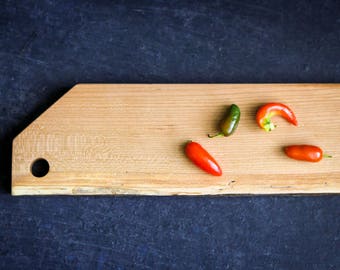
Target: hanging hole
40 167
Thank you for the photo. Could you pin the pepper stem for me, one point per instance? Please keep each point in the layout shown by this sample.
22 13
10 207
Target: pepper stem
268 125
326 156
216 135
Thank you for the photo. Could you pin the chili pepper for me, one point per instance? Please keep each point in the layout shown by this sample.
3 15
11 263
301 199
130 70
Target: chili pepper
266 112
230 123
305 152
199 156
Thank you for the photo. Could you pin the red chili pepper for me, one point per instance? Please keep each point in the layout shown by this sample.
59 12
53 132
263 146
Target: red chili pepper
266 112
198 155
305 152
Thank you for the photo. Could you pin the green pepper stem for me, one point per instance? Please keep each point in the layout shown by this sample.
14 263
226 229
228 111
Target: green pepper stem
326 156
216 135
268 125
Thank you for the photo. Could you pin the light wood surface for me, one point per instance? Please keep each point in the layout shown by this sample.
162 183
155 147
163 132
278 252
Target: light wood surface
129 138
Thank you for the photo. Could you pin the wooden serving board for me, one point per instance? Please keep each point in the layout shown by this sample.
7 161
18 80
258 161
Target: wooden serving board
129 139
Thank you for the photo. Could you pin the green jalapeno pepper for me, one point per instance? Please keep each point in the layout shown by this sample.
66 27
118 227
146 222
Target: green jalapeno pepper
230 123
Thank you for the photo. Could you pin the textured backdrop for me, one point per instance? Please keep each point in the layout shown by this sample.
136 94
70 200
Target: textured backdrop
48 46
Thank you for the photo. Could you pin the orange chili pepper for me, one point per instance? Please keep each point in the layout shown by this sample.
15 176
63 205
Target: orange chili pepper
198 155
266 112
309 153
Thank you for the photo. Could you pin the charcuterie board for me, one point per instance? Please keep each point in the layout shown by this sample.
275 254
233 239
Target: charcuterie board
129 139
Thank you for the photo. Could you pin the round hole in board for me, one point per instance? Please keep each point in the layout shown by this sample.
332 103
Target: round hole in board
40 167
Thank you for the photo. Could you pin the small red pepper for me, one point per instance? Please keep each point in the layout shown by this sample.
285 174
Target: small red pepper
309 153
266 112
198 155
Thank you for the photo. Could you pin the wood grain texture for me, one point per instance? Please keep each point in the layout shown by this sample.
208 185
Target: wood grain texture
129 139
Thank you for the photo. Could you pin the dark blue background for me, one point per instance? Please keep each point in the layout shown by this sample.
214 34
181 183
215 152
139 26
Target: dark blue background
48 46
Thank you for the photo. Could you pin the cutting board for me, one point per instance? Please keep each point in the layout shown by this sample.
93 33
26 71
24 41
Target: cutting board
129 139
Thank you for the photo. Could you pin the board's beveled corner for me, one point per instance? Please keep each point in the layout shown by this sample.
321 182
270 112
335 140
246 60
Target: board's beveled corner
19 138
55 102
